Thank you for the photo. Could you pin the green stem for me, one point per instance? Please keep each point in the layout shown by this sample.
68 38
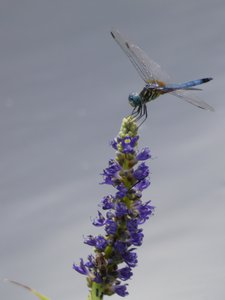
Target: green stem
96 292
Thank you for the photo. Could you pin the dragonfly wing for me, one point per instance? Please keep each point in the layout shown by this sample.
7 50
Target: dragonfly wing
148 69
189 97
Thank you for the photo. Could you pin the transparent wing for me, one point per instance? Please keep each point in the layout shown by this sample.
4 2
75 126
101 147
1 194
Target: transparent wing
149 70
191 98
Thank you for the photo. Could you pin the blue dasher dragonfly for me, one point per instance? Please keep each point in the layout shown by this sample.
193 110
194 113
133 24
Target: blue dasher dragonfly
157 81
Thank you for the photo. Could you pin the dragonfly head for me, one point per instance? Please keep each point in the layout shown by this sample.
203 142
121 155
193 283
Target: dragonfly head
134 99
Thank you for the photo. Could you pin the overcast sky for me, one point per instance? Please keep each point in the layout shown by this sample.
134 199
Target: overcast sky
64 84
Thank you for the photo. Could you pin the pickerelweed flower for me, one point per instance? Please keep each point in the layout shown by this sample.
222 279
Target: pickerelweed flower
115 252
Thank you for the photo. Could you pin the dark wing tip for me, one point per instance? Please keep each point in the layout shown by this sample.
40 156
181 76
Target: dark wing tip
112 34
116 35
127 45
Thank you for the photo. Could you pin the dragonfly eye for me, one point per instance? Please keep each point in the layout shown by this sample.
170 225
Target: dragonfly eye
134 99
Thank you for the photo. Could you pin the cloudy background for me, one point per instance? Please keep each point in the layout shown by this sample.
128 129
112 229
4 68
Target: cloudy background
63 93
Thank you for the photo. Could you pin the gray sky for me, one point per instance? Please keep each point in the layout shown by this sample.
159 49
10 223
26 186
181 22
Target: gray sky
64 86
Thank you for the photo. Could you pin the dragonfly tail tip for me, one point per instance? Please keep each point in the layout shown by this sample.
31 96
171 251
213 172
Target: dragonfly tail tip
207 79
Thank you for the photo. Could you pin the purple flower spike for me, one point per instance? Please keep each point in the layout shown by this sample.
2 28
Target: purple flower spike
114 254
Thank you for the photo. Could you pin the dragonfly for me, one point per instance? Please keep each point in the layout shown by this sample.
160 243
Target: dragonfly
157 81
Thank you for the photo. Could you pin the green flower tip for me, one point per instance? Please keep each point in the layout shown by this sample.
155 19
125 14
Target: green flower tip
128 128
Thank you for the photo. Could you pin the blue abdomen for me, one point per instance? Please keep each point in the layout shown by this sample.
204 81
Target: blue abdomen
188 84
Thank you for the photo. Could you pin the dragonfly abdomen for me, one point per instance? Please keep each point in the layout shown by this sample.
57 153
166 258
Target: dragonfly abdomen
188 84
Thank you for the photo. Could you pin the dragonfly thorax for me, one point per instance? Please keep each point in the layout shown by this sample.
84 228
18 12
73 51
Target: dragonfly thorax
134 99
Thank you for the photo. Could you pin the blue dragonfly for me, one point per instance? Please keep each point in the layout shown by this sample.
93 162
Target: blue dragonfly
157 82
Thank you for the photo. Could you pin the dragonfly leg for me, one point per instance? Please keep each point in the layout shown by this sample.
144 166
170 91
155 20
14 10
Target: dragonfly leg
136 111
145 114
140 112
